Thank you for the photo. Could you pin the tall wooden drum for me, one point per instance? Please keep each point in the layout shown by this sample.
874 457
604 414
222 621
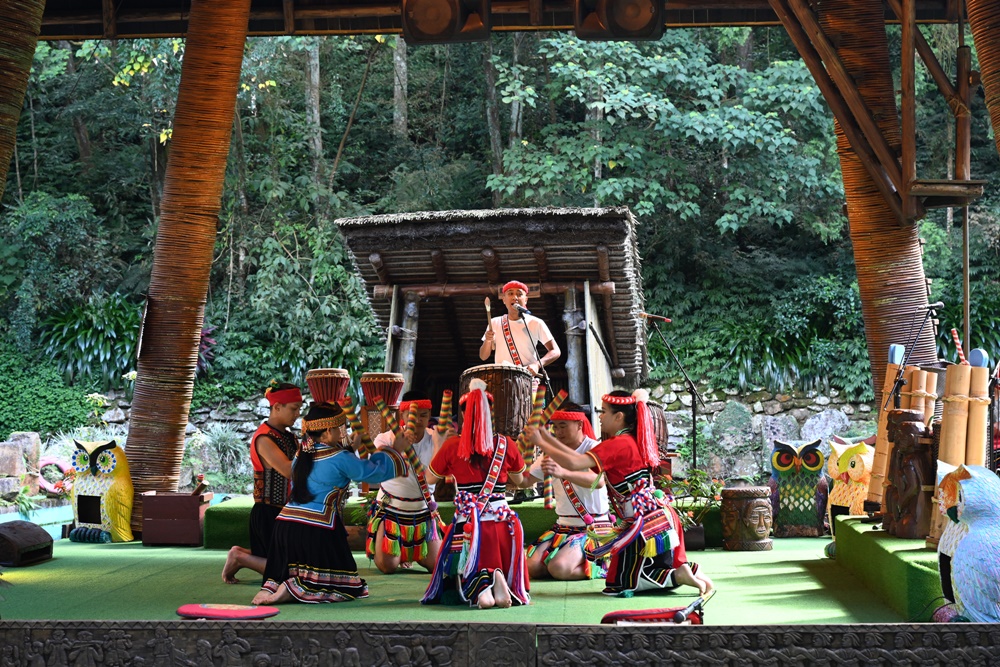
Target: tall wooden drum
511 389
388 387
328 385
746 518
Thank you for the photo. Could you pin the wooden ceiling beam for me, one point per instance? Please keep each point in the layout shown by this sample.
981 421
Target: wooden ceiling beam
604 288
375 259
492 264
440 269
541 263
288 8
108 17
841 110
608 323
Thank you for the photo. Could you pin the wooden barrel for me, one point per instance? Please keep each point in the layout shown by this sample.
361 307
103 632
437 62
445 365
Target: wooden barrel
746 518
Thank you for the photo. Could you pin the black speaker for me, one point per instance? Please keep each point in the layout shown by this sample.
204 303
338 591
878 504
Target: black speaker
604 20
441 21
23 543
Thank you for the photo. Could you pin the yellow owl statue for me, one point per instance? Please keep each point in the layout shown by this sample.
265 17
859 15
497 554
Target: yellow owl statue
102 493
850 468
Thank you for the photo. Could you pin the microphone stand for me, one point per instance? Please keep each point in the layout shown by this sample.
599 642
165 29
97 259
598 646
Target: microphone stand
897 385
534 349
695 396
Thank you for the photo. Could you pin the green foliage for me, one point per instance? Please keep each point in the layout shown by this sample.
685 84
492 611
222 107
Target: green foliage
43 266
94 342
693 495
44 403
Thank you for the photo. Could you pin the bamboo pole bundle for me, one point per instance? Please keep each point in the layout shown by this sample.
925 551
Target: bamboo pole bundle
955 421
883 448
979 405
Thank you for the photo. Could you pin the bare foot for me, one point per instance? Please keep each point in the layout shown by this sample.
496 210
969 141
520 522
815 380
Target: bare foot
486 600
501 591
232 566
277 597
709 584
684 575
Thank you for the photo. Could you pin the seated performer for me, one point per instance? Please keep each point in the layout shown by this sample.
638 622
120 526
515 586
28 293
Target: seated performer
309 559
272 447
581 503
648 551
401 529
482 554
516 347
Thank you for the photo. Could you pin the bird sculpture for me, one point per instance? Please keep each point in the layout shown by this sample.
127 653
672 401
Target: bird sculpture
798 489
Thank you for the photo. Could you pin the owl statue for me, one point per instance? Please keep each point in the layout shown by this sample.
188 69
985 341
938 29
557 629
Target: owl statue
850 468
102 493
798 489
948 479
975 567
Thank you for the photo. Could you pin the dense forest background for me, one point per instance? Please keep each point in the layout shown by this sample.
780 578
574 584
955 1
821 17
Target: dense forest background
717 139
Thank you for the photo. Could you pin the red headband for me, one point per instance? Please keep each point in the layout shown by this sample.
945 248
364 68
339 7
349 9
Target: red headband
283 396
644 435
514 284
419 404
563 415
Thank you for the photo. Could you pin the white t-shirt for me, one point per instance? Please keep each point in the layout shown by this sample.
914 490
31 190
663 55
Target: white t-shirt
407 487
539 333
595 500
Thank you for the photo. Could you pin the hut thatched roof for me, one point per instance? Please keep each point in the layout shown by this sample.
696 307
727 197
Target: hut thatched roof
455 258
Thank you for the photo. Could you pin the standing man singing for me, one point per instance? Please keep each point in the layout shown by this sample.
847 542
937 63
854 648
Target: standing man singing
508 334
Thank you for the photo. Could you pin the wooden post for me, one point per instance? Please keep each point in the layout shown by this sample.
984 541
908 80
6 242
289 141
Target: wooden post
909 103
963 171
407 359
575 366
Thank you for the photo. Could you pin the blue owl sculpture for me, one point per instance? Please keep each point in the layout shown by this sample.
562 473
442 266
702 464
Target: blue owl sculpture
799 489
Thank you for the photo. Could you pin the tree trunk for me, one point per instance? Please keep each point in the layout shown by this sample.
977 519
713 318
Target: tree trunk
887 255
516 108
493 116
192 193
20 23
400 82
984 20
80 131
312 109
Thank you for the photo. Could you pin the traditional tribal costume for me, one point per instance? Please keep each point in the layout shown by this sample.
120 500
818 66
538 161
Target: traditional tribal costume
270 488
649 544
579 508
485 535
309 551
400 506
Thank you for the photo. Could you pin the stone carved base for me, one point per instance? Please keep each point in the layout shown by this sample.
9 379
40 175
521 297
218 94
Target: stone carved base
265 643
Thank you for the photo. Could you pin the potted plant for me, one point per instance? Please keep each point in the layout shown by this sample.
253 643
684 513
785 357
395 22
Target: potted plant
693 496
355 517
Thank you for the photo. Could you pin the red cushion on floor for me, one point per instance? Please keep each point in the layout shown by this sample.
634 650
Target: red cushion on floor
226 611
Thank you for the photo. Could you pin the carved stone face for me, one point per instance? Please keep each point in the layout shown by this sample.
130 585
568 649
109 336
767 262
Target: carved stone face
730 520
757 518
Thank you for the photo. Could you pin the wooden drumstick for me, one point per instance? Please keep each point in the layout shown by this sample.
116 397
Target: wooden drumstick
489 318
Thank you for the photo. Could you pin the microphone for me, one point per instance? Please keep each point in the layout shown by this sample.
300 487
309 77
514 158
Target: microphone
647 316
934 306
521 309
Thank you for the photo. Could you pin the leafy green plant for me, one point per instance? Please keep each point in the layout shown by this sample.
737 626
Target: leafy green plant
44 403
693 495
25 502
94 341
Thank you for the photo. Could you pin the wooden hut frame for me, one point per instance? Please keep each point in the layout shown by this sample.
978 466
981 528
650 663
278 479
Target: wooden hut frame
426 275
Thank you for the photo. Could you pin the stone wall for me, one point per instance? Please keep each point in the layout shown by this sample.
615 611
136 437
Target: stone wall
734 438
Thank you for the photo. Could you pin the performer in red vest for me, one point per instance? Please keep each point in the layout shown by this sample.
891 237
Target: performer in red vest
481 561
272 448
647 549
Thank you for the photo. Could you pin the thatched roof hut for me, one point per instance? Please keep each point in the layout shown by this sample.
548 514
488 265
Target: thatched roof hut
583 260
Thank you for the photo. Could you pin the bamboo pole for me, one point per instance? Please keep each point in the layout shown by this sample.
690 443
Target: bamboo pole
883 448
979 405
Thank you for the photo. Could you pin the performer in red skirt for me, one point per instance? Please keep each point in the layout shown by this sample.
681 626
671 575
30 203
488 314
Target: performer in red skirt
647 549
482 553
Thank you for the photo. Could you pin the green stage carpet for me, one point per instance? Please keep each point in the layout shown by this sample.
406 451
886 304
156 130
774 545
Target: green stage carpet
793 584
903 573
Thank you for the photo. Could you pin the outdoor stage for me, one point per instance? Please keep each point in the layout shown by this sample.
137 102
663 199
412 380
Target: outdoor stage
791 603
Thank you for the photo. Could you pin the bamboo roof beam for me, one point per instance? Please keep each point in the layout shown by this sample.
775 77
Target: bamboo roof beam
375 259
288 8
110 21
492 264
865 151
